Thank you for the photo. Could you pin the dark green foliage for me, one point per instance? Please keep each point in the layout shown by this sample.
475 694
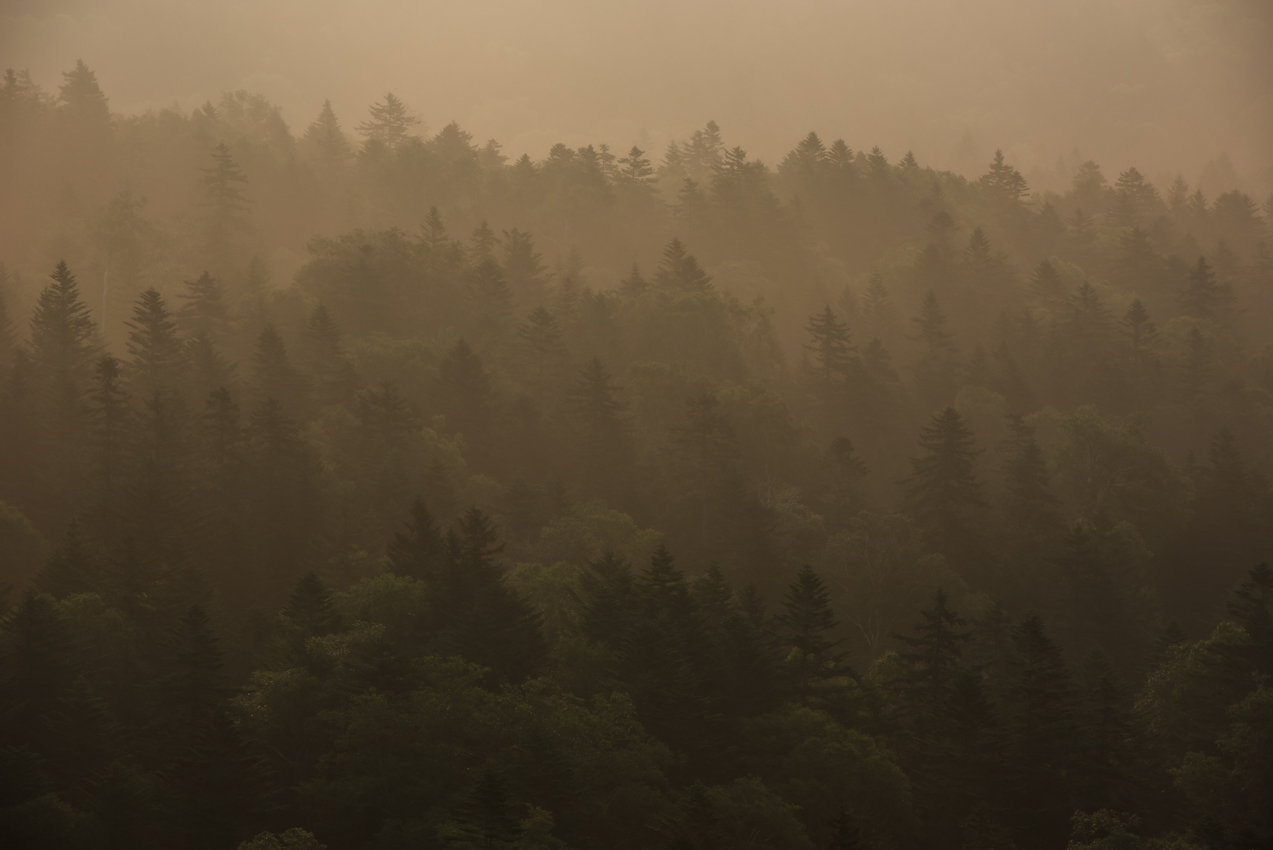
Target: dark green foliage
943 492
228 639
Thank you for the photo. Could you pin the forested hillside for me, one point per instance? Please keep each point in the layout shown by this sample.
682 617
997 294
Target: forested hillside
371 487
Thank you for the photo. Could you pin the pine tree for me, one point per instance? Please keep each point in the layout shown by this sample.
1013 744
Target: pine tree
679 270
309 611
83 100
420 552
1202 298
61 338
156 355
831 350
606 446
878 305
1042 738
1142 335
943 493
541 335
226 204
204 309
634 283
273 375
636 170
1003 184
806 626
465 391
934 656
523 267
110 418
1030 508
434 230
1047 283
327 139
389 123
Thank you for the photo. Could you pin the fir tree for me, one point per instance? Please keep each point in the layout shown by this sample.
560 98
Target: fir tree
541 335
420 552
204 309
226 204
679 270
273 375
61 330
943 493
1202 297
634 283
806 626
1030 508
465 390
156 355
389 123
1141 334
831 350
327 139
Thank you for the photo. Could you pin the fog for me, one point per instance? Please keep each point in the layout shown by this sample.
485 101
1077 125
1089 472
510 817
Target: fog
663 426
1166 85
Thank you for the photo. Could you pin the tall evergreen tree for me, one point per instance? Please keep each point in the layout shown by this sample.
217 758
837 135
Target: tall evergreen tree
227 206
156 355
943 492
679 270
806 625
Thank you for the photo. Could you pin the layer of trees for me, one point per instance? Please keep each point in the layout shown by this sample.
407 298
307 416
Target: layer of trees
600 502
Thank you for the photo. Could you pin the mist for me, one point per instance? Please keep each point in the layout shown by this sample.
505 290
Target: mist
510 426
1164 85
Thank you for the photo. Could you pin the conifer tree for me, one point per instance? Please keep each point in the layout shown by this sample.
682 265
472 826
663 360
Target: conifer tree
204 309
634 283
943 492
465 391
273 375
1047 283
1042 736
110 413
389 123
420 552
878 305
680 270
636 170
1030 507
61 329
1203 297
1142 335
327 138
156 355
831 350
541 335
806 625
8 339
523 267
434 230
226 204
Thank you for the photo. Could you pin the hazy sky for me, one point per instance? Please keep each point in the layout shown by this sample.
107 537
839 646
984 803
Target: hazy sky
1163 84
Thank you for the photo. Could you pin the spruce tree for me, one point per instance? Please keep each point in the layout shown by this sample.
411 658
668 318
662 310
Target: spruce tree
420 552
1030 508
1203 297
389 123
831 349
601 415
634 283
61 338
327 139
1042 738
541 335
464 388
679 270
226 204
806 626
155 354
273 375
204 309
943 492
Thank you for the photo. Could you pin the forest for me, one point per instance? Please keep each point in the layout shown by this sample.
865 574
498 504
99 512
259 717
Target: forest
373 487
